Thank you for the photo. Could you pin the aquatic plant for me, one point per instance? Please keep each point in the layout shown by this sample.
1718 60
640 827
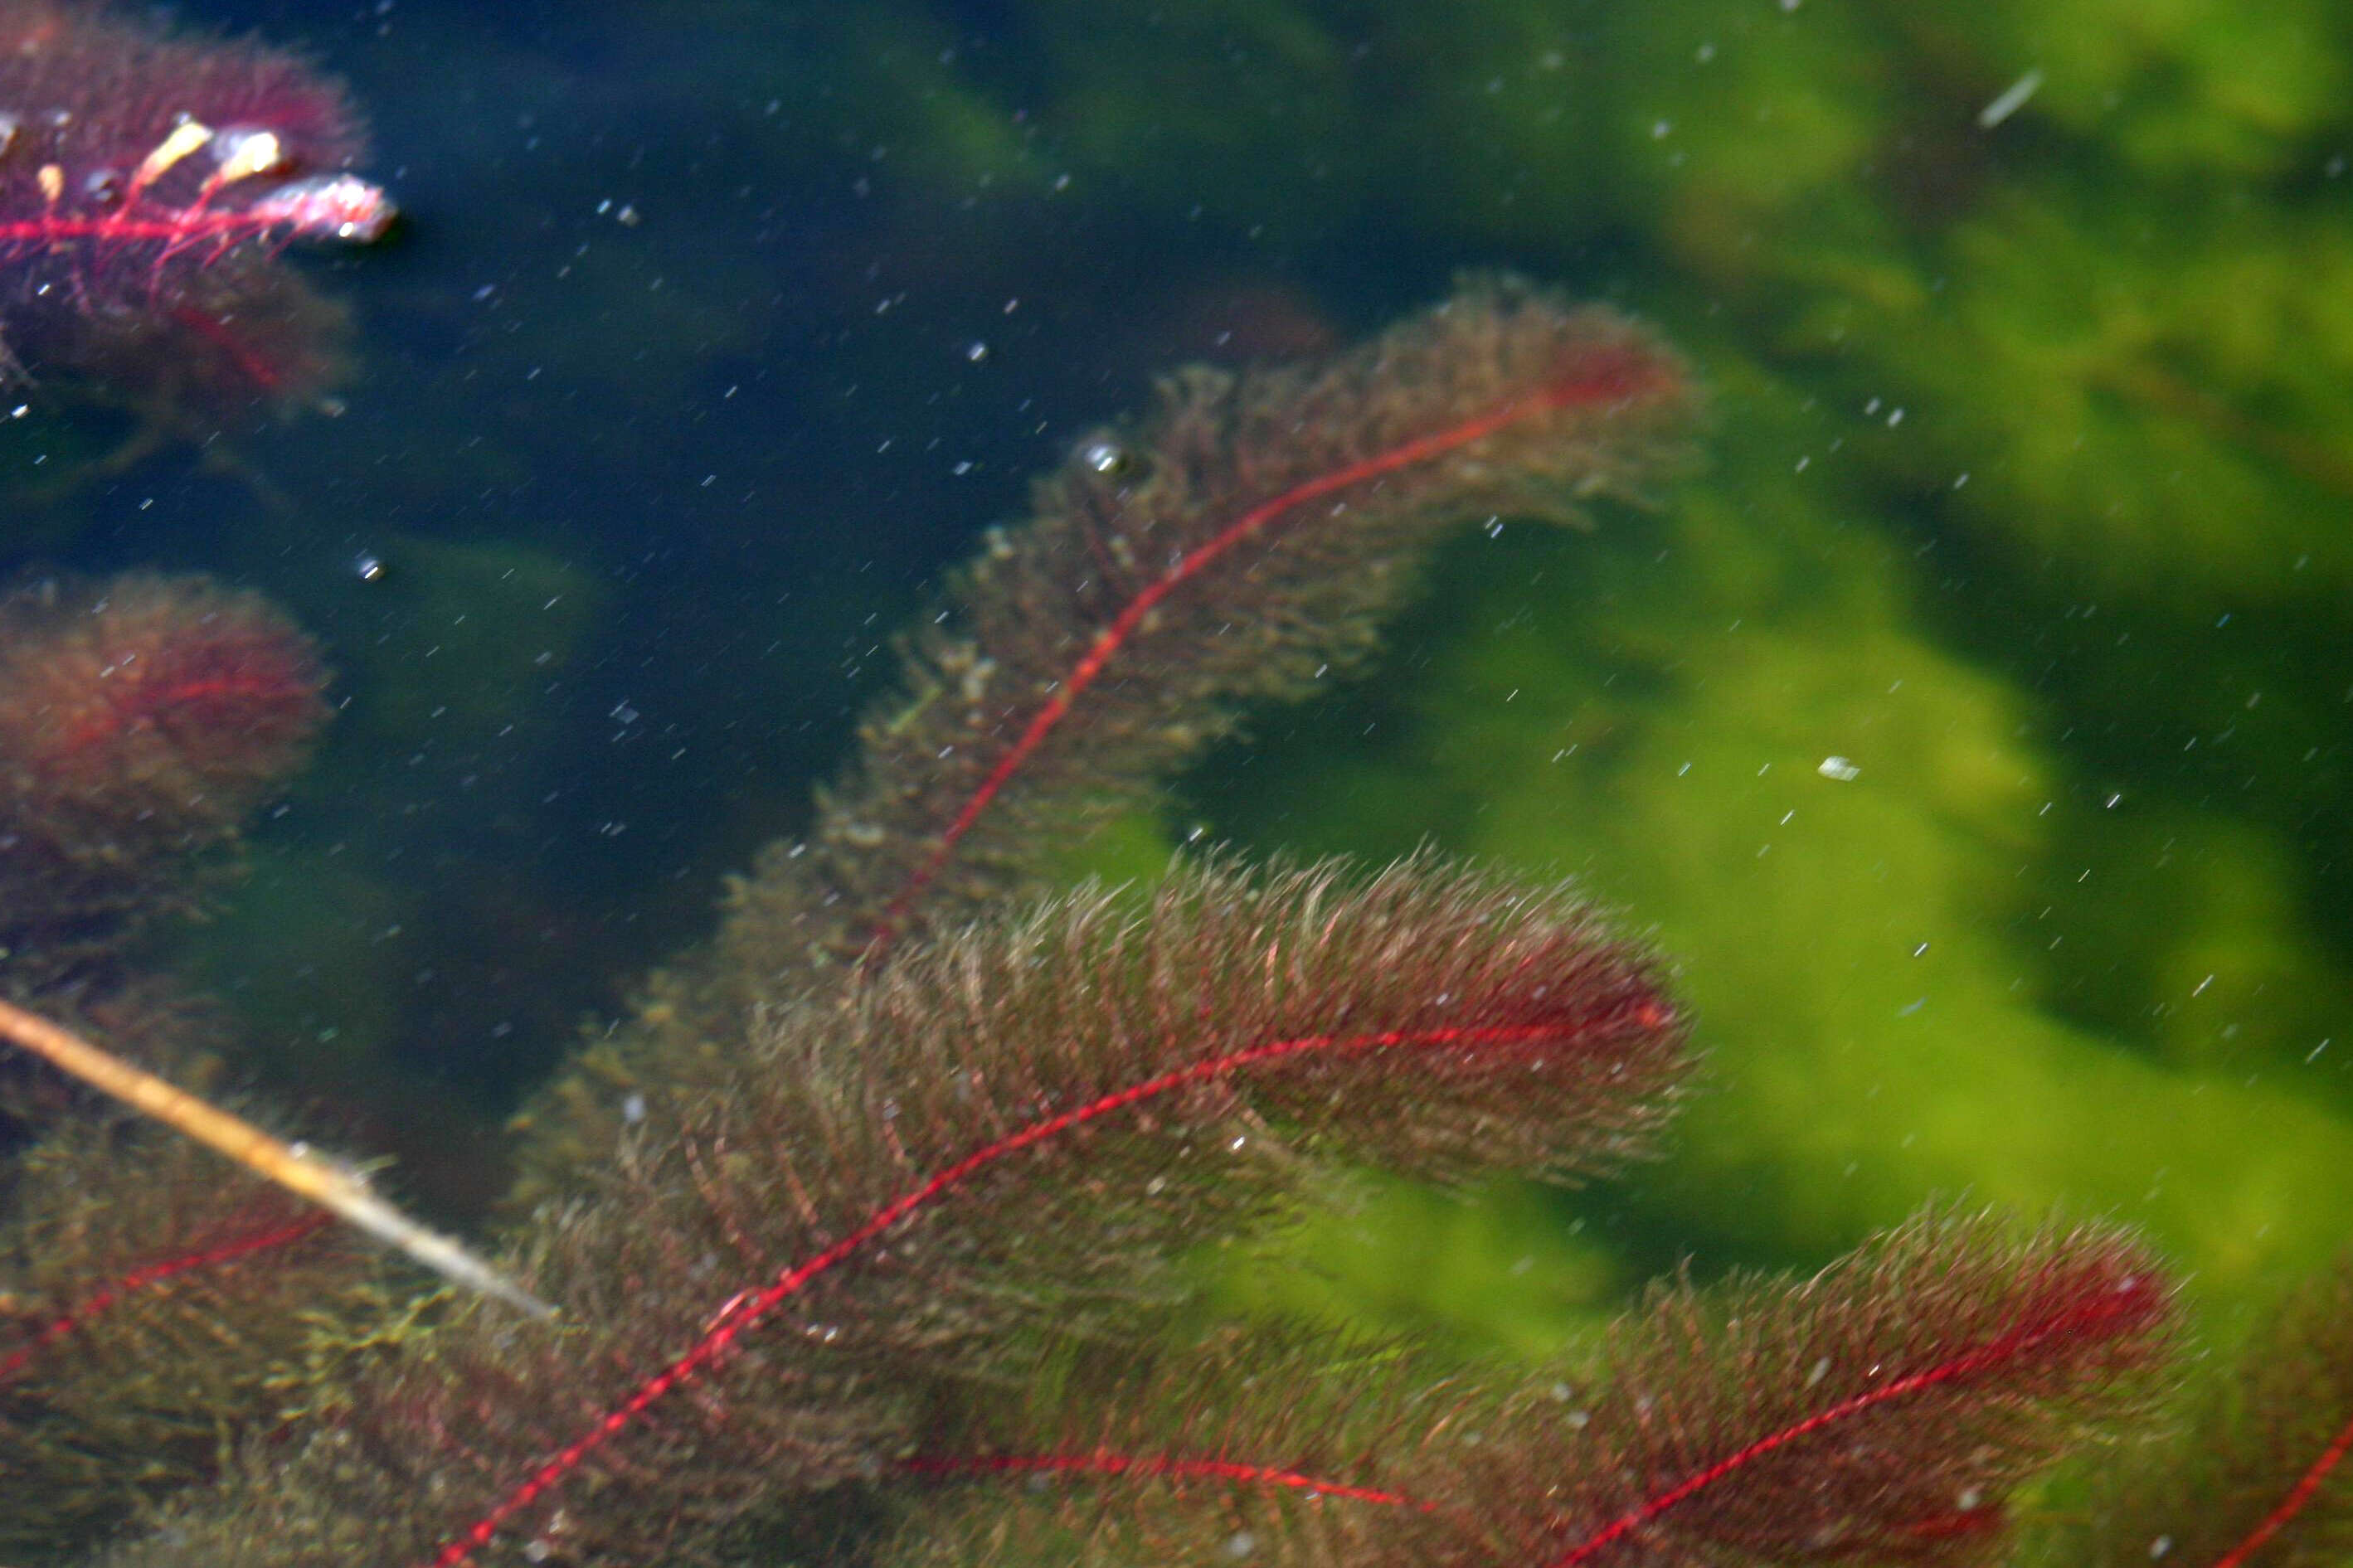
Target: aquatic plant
147 184
142 719
886 1201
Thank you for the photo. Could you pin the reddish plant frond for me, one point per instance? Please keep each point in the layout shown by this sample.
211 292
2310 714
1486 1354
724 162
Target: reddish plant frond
1883 1410
141 207
154 1309
1027 1115
1243 542
149 1274
2297 1505
2253 1472
1293 1441
142 718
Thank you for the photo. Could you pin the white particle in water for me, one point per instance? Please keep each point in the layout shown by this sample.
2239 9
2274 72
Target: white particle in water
2012 99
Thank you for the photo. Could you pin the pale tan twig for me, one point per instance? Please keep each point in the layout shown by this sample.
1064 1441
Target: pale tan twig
297 1167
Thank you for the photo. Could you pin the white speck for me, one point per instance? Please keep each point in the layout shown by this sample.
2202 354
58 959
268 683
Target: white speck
2159 1547
633 1109
2013 98
1838 768
975 352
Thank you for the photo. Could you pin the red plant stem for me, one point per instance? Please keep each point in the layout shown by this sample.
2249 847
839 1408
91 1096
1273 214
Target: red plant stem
2138 1299
154 1274
2306 1488
174 228
137 702
732 1326
1613 375
252 366
1160 1467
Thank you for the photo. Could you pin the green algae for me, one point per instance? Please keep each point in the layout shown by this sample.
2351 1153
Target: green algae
1730 724
2046 310
2024 316
1491 1268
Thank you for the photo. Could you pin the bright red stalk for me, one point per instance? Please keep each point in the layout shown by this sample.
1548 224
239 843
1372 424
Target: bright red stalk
1609 376
165 225
2138 1304
2306 1488
153 1274
731 1324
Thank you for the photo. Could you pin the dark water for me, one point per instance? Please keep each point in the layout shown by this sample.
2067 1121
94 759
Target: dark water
717 329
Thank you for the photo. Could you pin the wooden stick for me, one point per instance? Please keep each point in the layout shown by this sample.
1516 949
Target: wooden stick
297 1167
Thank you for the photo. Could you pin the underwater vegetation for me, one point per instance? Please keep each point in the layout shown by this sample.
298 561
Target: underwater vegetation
147 184
872 1232
2024 515
879 1227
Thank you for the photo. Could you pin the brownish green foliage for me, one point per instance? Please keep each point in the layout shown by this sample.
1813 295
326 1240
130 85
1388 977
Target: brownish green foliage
141 720
869 1233
1238 546
1885 1410
2253 1466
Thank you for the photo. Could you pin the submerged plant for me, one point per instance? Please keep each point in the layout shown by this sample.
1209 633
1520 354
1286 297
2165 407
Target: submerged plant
870 1233
147 183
